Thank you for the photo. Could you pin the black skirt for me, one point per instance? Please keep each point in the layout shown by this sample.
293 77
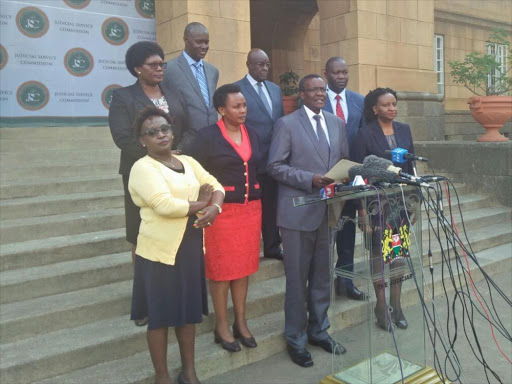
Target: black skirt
172 295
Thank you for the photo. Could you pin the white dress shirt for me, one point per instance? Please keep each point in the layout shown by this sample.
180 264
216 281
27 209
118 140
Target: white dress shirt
254 83
332 99
310 114
192 64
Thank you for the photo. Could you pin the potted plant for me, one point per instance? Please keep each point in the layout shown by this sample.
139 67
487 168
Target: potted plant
288 82
488 108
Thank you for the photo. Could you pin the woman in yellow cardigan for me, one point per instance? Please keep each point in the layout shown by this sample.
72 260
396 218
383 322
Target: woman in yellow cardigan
169 281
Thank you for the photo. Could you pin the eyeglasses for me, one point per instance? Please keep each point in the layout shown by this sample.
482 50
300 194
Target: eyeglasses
263 64
154 66
316 90
164 128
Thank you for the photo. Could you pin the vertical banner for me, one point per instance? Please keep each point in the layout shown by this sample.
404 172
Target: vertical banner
63 58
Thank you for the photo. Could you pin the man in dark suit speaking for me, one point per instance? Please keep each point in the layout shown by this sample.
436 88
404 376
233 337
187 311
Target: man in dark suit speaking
348 106
264 108
195 79
305 145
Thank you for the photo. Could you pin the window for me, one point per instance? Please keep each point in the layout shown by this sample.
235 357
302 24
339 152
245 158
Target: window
439 62
499 51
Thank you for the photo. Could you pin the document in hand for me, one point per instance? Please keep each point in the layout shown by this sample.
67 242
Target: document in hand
339 172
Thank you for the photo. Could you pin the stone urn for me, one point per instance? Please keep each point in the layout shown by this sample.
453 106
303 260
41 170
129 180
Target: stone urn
491 112
290 104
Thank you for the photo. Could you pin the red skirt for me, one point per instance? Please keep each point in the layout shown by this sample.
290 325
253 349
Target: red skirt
232 243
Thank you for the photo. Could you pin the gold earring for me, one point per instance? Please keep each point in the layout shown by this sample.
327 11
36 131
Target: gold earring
138 73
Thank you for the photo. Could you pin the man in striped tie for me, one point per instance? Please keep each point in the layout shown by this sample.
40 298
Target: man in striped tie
348 106
190 75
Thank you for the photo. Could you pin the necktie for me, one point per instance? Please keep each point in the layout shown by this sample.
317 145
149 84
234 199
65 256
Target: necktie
339 110
264 98
201 80
322 140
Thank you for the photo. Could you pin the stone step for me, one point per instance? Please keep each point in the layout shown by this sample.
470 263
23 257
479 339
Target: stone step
52 250
55 133
46 314
59 204
79 355
13 145
28 159
15 189
18 230
94 167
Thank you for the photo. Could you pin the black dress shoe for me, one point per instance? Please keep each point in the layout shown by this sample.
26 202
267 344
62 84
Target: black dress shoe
329 345
248 342
355 294
230 347
277 256
300 356
398 318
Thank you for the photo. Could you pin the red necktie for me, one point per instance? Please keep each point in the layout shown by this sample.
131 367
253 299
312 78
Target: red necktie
339 110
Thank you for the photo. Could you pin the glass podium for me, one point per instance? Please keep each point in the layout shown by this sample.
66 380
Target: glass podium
388 269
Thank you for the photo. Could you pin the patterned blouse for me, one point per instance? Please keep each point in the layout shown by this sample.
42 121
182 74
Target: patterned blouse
161 103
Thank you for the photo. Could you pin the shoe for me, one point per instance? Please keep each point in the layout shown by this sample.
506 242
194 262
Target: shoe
230 347
180 379
351 291
382 320
277 256
248 342
329 345
300 356
141 322
398 318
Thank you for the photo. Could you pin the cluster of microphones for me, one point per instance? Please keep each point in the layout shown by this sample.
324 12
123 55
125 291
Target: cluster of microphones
379 171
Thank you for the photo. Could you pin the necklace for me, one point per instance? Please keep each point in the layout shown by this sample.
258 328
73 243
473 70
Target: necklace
168 164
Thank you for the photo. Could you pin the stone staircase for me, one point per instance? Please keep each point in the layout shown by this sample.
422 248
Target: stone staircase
65 268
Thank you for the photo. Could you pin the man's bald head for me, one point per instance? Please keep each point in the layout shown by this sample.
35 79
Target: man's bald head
258 64
194 27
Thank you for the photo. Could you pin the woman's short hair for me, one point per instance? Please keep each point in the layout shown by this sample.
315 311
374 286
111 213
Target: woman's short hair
146 113
139 52
221 94
371 100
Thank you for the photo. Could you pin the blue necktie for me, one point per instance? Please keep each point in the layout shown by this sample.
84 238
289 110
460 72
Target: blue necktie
322 140
264 98
201 80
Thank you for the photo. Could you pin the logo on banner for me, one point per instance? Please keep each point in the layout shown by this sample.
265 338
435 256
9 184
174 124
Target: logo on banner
115 31
146 8
3 57
32 22
77 4
33 95
78 62
106 95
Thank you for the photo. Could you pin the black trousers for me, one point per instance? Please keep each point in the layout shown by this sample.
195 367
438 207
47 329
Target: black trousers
345 240
269 230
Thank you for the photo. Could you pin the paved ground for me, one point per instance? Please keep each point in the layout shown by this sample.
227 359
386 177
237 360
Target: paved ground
278 369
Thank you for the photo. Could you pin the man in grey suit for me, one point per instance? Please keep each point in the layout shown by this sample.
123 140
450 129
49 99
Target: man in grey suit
305 145
195 79
264 108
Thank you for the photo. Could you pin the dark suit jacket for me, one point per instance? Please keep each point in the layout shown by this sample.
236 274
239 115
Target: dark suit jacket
370 140
179 76
355 104
294 157
126 103
220 159
258 119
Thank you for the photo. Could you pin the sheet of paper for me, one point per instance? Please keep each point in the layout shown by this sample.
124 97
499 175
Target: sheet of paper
340 170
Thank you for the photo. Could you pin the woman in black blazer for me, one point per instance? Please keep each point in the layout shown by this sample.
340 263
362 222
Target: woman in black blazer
145 61
382 133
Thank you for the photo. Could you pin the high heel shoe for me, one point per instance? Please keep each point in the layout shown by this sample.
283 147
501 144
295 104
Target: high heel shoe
398 318
230 347
248 342
382 319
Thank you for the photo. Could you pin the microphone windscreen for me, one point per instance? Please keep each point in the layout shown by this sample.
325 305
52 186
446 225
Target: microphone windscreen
355 170
377 162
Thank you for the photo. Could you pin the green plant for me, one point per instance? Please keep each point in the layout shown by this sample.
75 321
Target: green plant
288 82
473 72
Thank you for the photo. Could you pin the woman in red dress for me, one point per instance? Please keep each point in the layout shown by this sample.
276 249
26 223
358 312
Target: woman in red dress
230 152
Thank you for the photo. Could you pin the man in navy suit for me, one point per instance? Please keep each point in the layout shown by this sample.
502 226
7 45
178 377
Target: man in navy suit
348 106
264 108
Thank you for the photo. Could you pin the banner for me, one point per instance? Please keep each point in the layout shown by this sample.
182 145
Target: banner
63 58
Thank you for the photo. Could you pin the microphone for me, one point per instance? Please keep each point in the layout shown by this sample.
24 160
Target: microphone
378 174
380 163
332 189
400 155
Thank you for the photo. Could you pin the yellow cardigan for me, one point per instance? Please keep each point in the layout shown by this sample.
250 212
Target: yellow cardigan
163 197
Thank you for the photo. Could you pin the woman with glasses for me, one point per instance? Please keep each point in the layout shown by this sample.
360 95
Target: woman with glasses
145 61
177 199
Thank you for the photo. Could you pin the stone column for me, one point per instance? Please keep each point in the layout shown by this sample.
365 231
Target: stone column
228 22
385 42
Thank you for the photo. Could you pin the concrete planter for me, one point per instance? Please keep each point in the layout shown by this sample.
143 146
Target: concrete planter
491 112
290 103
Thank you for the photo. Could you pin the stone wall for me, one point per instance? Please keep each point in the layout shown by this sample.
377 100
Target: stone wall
424 112
460 125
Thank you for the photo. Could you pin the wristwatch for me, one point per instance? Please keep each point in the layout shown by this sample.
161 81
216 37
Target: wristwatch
218 207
